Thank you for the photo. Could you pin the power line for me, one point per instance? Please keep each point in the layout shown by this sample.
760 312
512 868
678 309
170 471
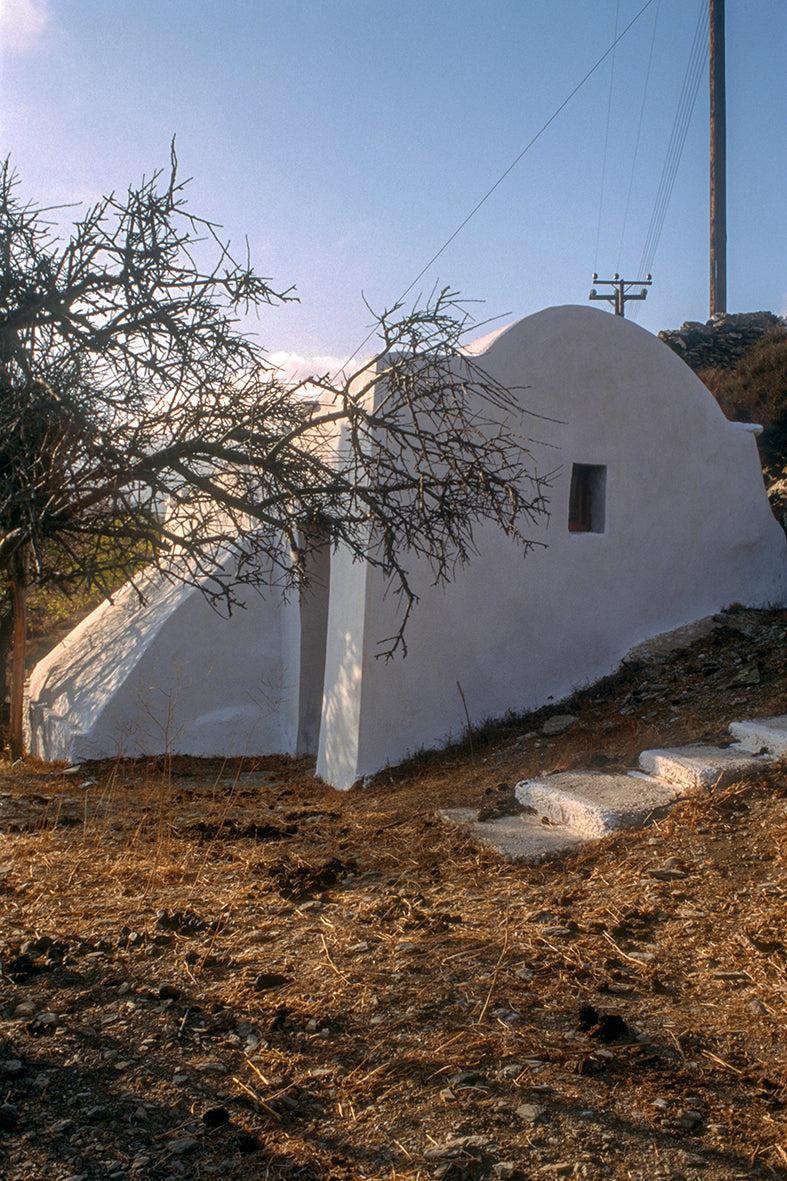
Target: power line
606 139
510 168
686 103
639 133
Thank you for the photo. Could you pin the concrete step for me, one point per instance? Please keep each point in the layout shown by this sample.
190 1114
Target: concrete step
594 803
696 767
758 734
517 838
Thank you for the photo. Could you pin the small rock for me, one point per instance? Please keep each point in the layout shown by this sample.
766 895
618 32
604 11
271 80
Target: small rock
44 1025
557 724
466 1078
183 1146
531 1113
687 1121
62 1127
643 957
183 922
756 1007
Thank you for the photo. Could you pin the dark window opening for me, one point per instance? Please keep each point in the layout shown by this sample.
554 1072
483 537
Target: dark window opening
587 497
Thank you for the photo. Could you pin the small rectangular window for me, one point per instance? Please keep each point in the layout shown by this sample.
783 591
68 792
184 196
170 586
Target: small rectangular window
586 502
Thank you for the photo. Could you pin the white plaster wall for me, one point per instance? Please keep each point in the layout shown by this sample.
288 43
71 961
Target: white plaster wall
688 531
170 676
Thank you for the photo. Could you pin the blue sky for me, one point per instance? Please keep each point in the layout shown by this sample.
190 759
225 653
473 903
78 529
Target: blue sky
348 140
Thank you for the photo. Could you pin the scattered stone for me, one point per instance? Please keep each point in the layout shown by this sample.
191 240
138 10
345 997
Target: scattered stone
558 724
182 922
182 1146
722 340
531 1113
466 1078
687 1121
44 1025
212 1066
756 1007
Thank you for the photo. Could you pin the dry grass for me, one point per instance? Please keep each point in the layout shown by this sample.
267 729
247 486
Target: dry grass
755 390
364 992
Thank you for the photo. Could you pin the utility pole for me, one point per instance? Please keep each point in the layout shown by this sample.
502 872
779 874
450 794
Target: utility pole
619 296
718 169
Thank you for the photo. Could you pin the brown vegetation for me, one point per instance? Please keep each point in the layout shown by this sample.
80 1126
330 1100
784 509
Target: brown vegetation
755 390
215 969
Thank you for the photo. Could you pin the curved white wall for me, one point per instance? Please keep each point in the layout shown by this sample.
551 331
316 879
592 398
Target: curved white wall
688 530
170 676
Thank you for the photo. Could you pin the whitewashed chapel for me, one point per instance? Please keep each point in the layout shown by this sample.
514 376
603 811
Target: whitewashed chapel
657 517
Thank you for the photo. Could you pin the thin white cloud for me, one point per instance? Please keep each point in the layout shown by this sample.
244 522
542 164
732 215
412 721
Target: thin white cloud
23 23
293 367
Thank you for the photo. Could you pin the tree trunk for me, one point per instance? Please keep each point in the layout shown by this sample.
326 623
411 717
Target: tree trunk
17 578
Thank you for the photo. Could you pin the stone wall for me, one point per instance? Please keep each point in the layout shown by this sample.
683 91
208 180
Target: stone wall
722 340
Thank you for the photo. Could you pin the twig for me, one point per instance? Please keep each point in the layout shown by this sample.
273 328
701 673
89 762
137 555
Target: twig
467 715
721 1062
500 959
338 971
256 1098
631 959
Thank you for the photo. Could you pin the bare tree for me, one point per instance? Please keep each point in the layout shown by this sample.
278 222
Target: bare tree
136 418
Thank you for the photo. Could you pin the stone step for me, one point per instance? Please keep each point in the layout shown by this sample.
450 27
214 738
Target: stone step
517 838
758 734
697 767
594 803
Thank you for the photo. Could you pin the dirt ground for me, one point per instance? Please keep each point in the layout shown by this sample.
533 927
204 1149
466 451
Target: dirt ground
228 970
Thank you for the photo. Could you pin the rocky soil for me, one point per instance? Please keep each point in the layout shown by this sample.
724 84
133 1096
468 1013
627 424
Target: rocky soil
721 341
229 970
